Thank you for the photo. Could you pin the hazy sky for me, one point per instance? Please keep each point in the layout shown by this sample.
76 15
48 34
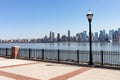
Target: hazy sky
35 18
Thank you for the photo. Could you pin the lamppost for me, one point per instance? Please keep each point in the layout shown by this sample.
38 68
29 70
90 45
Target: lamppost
89 16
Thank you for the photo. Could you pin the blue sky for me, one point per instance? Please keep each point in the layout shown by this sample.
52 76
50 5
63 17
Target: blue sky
35 18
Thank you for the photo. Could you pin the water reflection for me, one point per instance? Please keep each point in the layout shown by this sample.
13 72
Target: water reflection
58 44
78 44
102 44
66 45
51 44
63 43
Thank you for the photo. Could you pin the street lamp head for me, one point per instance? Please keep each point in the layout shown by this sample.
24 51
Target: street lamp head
89 16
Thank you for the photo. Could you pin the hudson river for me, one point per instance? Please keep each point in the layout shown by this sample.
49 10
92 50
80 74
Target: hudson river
66 46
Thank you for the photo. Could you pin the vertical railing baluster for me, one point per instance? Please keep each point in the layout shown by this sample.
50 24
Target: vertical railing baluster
34 53
0 51
29 53
78 56
118 57
43 54
102 57
58 55
6 52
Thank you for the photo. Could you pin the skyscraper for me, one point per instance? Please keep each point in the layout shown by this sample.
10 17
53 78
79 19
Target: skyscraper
101 37
45 38
51 38
119 34
58 37
104 35
115 36
63 38
84 36
111 33
68 35
96 37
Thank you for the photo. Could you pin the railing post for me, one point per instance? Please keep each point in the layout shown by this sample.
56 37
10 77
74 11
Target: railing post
29 53
102 57
43 54
6 52
58 55
78 56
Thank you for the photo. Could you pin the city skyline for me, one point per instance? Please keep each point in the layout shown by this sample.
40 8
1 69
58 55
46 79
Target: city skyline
102 36
33 19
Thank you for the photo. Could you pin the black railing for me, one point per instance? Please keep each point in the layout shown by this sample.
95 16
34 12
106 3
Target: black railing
100 58
6 52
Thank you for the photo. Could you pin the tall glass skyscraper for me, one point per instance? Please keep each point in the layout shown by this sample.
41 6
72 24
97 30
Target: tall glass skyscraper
68 35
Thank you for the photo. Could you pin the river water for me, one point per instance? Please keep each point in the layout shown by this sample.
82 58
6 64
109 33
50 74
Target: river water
66 46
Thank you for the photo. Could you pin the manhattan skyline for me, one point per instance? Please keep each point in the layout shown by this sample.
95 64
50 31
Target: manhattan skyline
33 19
102 36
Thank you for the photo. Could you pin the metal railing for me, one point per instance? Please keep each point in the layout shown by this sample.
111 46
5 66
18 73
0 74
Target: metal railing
6 52
100 58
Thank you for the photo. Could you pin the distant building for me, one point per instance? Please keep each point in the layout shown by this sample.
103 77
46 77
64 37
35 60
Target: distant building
116 36
63 38
73 39
68 36
111 33
45 39
107 38
96 37
78 37
51 38
84 36
119 34
102 36
58 37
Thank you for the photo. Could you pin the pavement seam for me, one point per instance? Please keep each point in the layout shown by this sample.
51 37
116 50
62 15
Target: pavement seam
19 65
71 74
3 59
16 76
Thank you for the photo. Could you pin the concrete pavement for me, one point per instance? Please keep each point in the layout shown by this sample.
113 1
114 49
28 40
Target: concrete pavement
16 69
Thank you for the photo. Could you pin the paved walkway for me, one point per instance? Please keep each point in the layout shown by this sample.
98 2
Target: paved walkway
16 69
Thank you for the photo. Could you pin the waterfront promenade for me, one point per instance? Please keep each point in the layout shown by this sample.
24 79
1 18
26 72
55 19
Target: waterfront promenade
17 69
